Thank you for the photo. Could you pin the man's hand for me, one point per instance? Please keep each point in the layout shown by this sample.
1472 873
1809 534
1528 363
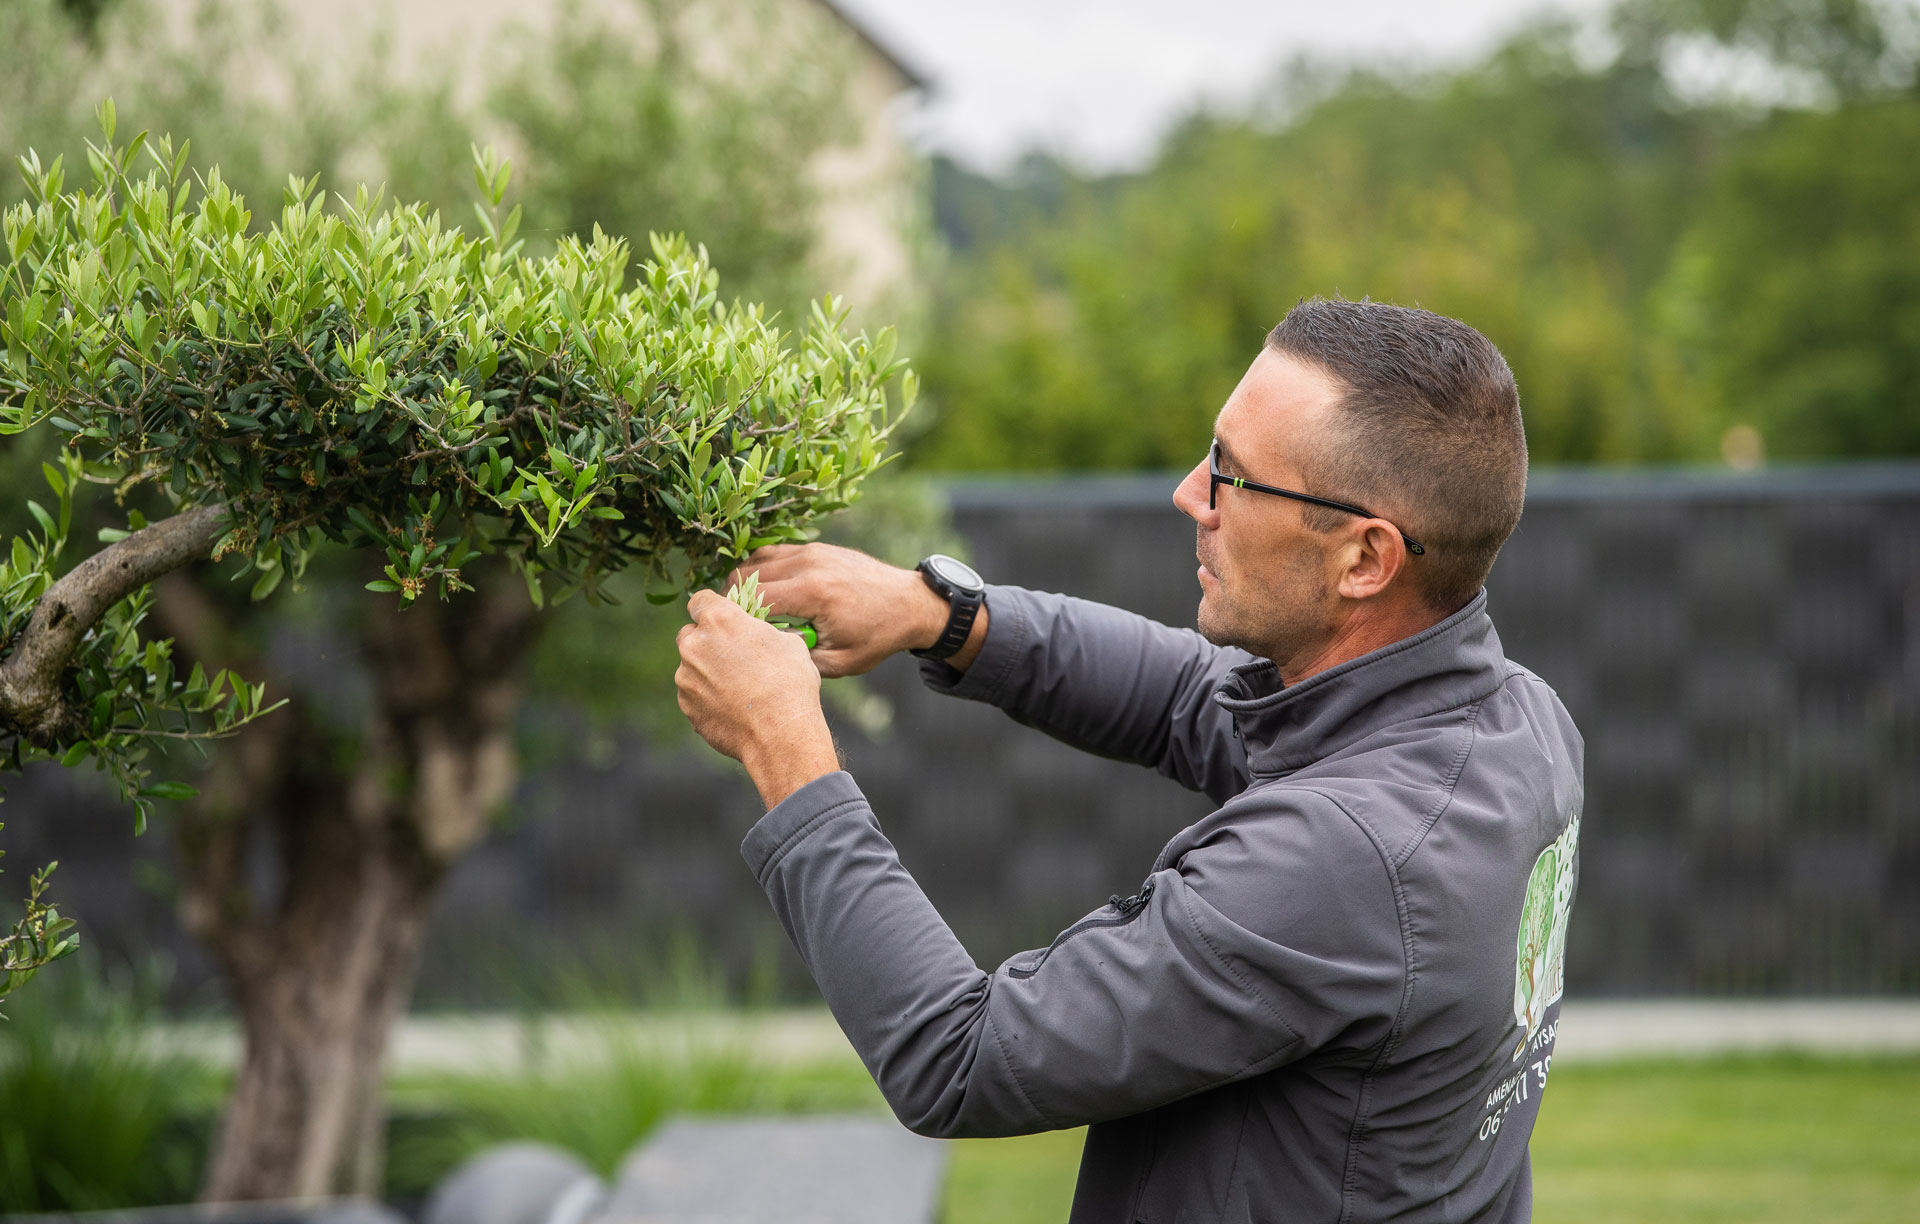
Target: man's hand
863 609
751 692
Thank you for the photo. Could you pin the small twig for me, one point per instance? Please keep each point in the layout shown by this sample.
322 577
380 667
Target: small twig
33 702
225 732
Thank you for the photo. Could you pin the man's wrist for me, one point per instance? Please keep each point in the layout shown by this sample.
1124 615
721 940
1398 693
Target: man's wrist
960 594
779 770
931 624
933 613
963 658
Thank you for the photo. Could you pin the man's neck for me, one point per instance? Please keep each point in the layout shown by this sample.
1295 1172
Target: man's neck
1364 629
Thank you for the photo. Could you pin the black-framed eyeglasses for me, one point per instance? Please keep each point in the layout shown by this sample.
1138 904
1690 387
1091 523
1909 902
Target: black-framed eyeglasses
1218 478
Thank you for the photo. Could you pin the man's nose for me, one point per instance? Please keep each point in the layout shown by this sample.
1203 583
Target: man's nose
1190 495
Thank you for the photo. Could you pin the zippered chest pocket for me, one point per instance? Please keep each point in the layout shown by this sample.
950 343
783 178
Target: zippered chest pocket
1124 910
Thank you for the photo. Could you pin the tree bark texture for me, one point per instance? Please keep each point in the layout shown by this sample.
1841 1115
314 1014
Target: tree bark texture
362 822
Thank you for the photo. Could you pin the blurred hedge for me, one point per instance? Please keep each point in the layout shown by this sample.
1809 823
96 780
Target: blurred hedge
1660 265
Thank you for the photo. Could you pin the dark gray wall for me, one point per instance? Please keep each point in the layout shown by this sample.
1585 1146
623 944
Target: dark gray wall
1741 652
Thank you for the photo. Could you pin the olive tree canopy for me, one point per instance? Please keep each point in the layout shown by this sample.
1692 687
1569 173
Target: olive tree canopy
373 375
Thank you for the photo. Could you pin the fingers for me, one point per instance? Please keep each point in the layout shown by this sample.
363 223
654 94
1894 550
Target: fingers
831 664
772 554
703 606
797 596
727 620
781 564
741 680
776 552
795 590
851 599
772 569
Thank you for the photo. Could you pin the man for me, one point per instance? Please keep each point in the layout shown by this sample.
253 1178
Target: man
1334 998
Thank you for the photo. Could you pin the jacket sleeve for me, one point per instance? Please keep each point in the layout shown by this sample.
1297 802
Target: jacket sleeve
1275 937
1109 682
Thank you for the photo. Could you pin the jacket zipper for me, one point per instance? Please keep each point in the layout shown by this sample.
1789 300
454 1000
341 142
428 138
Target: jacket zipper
1126 909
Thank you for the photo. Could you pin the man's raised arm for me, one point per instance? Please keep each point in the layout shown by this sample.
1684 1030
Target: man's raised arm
1099 678
1238 955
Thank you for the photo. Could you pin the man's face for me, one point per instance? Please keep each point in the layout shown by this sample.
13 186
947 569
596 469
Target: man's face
1266 582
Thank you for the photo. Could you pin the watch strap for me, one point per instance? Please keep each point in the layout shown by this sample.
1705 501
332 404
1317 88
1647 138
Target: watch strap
965 605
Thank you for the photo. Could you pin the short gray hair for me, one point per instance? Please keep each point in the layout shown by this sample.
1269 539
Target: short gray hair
1428 429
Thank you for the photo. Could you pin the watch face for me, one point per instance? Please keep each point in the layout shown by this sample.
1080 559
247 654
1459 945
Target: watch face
954 573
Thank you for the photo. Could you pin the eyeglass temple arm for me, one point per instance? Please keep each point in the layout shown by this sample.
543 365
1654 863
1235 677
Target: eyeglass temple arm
1240 482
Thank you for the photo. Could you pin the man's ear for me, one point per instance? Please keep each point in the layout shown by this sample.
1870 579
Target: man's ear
1376 555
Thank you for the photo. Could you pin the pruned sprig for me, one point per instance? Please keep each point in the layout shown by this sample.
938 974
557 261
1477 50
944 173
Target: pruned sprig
751 599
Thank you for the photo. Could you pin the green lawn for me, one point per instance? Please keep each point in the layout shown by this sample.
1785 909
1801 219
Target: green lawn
1012 1181
1748 1140
1754 1140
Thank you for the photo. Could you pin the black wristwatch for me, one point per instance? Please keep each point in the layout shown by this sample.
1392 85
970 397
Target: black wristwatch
963 590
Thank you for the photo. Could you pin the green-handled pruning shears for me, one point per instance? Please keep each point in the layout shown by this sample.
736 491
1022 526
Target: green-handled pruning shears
805 630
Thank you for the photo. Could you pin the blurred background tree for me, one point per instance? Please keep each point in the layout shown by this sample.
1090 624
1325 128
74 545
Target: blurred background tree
1660 267
631 126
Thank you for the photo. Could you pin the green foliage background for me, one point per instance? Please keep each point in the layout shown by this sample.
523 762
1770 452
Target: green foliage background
1658 267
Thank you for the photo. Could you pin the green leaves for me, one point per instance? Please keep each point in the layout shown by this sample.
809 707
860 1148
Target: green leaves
748 595
27 566
128 684
375 375
39 938
169 790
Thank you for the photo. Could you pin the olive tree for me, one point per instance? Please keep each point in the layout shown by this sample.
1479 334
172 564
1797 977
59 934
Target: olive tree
492 433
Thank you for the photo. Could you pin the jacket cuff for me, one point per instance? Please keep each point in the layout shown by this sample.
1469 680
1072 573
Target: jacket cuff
1008 626
789 822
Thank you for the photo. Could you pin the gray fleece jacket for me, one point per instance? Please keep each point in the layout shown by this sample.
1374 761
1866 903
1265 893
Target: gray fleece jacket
1333 999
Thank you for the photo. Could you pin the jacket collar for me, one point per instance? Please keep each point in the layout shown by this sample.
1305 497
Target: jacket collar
1444 667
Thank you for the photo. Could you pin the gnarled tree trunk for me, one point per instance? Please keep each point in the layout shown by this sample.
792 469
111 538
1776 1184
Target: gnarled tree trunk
363 823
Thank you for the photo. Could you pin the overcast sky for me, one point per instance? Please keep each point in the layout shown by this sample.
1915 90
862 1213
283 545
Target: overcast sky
1098 81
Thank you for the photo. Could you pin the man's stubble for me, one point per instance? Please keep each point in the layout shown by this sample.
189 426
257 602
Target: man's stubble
1276 616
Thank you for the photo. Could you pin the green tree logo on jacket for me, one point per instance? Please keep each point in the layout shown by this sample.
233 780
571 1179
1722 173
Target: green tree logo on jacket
1541 949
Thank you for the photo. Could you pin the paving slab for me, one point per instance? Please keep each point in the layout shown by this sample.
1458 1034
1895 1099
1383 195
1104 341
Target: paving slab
814 1170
